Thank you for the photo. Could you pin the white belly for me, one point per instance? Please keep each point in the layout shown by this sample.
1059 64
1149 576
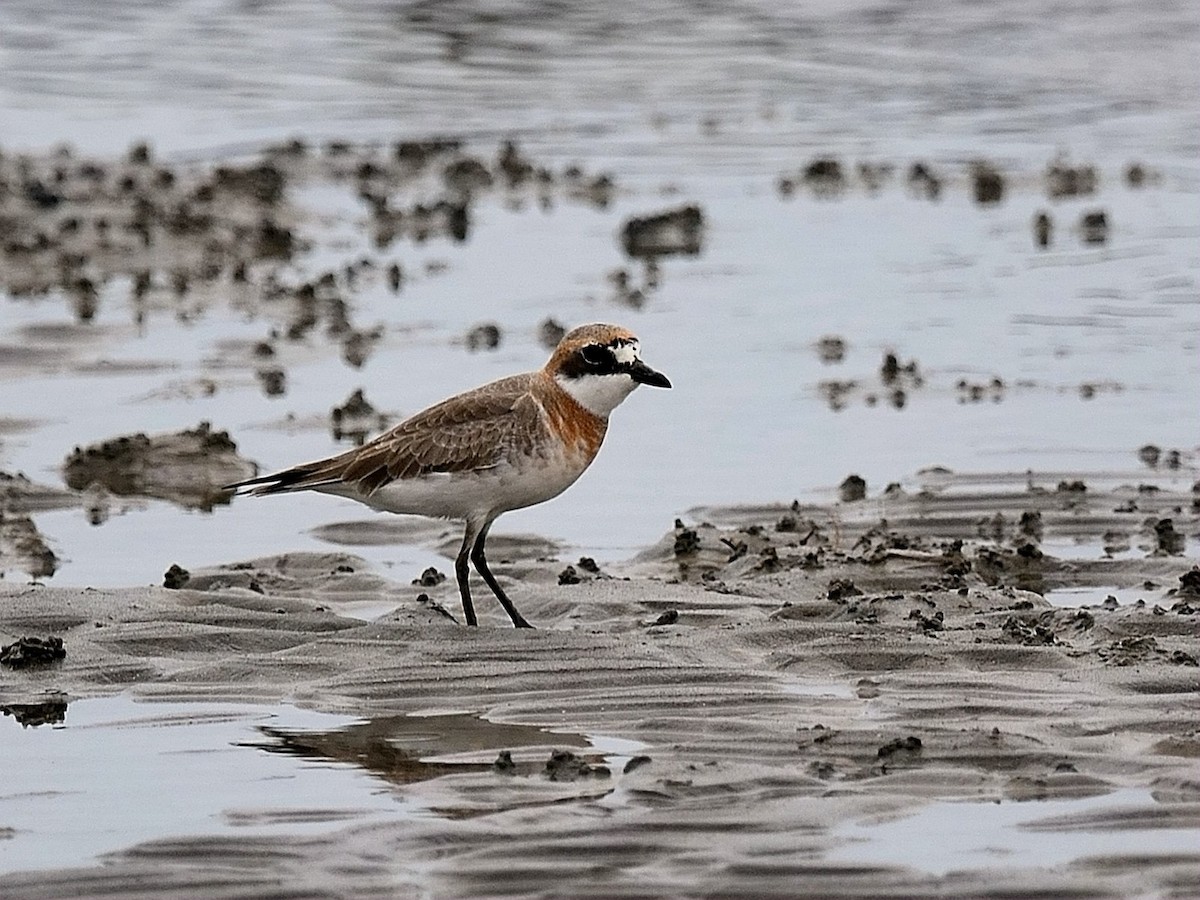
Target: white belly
473 495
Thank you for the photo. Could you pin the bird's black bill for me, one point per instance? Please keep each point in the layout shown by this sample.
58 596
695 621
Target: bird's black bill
643 374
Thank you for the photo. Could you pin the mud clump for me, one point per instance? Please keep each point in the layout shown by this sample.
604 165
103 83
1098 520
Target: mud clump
831 349
31 715
676 232
32 651
176 577
504 764
273 380
1168 541
900 747
23 548
1043 229
550 332
1029 631
825 177
355 419
1189 582
1030 524
1137 176
987 183
874 175
431 577
852 489
1093 227
1065 180
687 541
1150 454
187 467
483 337
563 765
923 182
841 588
262 182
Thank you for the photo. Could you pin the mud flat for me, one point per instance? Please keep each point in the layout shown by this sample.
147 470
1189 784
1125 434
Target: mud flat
790 688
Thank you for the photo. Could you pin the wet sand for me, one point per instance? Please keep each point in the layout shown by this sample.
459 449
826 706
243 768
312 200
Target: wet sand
860 240
796 675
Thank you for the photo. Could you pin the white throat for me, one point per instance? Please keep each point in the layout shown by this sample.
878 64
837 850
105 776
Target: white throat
598 394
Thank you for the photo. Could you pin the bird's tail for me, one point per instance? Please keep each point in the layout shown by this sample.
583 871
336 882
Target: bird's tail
298 478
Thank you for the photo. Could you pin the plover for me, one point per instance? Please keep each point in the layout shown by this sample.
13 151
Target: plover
503 446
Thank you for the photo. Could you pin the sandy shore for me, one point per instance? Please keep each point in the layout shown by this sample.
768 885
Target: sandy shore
791 672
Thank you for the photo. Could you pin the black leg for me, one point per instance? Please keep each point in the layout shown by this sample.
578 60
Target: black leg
463 571
480 561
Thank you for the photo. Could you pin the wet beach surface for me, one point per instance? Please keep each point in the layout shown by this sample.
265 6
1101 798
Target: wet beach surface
895 593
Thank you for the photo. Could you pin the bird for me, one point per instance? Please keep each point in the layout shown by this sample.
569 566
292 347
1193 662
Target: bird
505 445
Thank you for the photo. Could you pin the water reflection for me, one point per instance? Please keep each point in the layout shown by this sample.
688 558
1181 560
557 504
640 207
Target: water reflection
408 749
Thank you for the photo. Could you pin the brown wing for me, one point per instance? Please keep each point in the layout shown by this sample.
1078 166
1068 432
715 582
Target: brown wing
468 432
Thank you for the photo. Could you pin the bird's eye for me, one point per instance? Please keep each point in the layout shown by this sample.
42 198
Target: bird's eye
594 355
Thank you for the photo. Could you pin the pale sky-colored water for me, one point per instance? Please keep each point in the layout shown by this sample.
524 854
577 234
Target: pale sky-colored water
685 103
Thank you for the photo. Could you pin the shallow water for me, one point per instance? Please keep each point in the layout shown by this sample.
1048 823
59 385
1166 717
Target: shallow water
115 772
948 837
683 105
1094 596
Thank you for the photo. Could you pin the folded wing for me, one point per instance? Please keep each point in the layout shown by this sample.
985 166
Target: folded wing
471 432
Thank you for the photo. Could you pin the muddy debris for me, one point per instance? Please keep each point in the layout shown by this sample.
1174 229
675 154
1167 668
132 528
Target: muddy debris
976 392
824 176
504 764
1093 227
625 293
272 380
188 467
874 176
687 541
635 763
1168 541
667 617
923 182
29 652
483 337
358 345
894 373
900 747
1189 583
395 277
1029 631
18 494
674 232
550 332
50 711
1030 524
841 588
23 548
831 349
431 577
563 765
1138 175
987 183
852 489
1043 229
356 419
176 577
1065 180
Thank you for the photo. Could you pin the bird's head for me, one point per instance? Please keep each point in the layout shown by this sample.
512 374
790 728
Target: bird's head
599 366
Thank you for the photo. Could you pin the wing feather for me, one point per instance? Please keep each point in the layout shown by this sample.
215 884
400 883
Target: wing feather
470 432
